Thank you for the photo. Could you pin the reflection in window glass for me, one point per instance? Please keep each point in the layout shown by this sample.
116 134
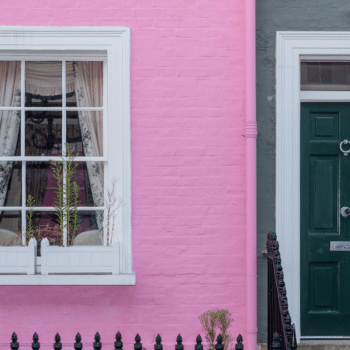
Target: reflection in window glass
325 76
10 184
10 228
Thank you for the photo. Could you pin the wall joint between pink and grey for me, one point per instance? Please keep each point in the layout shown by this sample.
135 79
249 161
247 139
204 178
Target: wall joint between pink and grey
251 201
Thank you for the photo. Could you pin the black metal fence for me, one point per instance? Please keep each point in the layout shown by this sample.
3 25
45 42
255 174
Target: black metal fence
280 330
118 344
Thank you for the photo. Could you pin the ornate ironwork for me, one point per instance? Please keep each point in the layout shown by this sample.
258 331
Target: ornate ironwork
97 344
158 345
57 345
14 344
78 345
118 344
280 330
179 345
138 345
219 345
35 344
239 345
199 345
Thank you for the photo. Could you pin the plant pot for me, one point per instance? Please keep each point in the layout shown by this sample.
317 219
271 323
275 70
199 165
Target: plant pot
79 259
19 259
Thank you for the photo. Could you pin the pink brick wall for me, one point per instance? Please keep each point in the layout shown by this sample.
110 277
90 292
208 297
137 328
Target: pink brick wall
188 166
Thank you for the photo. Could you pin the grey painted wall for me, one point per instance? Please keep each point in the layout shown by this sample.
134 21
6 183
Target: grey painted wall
272 16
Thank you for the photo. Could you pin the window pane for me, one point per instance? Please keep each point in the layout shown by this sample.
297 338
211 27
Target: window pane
85 133
88 82
41 224
10 84
42 183
10 184
43 133
43 84
10 228
89 178
90 229
38 184
11 144
325 76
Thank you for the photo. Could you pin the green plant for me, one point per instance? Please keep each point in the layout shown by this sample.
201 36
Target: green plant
213 319
67 194
30 225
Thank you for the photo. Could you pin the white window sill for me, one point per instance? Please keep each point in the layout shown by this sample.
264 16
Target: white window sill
69 280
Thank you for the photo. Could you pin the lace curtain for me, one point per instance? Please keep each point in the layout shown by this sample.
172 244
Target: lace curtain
10 95
88 78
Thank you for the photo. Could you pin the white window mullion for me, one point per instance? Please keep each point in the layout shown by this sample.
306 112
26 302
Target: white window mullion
64 138
105 152
24 163
105 199
23 210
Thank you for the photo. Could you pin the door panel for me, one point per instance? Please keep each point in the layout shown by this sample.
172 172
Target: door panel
325 188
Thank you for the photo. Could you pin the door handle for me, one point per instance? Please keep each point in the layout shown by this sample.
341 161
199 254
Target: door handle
345 211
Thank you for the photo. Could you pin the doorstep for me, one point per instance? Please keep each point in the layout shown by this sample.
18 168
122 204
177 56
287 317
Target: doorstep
317 345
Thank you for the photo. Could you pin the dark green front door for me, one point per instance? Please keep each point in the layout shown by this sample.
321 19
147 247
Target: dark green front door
325 189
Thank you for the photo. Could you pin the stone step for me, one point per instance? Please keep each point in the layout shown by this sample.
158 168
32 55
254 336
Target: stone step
317 345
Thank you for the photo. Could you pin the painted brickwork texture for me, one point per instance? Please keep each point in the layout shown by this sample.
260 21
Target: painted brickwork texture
188 163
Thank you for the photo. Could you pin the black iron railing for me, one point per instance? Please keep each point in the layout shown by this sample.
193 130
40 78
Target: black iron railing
118 344
280 330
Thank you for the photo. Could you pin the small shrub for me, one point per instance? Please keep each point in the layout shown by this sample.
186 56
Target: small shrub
213 319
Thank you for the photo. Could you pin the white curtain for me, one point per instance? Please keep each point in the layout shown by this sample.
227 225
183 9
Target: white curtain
89 93
10 96
45 78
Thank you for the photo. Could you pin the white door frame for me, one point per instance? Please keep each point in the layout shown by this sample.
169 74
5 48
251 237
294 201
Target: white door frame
290 46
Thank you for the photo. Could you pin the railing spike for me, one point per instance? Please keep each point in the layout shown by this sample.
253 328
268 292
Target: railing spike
57 345
239 345
219 345
179 345
35 344
118 344
14 344
158 345
199 345
78 345
97 344
138 345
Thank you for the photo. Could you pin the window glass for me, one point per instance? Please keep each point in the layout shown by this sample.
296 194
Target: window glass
325 76
43 79
10 228
87 80
10 84
57 130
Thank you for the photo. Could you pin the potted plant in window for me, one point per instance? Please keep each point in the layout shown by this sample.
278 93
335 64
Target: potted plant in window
71 258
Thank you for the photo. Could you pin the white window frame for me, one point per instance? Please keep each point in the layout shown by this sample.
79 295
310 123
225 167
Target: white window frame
113 43
291 47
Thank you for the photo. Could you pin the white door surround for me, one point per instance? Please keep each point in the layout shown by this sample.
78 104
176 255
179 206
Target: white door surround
290 48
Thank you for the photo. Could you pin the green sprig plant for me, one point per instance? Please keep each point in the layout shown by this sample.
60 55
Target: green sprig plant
67 194
213 319
30 226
